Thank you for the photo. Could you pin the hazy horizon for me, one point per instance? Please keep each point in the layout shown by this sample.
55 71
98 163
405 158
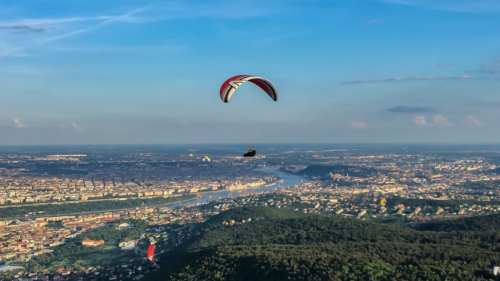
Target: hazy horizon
256 145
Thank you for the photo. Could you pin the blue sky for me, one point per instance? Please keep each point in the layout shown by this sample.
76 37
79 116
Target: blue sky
119 72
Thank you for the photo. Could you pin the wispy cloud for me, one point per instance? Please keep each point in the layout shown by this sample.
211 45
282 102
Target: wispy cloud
174 11
408 79
22 28
227 10
18 123
357 125
495 64
472 121
44 22
108 21
491 68
171 10
485 103
77 127
53 28
408 109
114 49
460 6
440 120
33 26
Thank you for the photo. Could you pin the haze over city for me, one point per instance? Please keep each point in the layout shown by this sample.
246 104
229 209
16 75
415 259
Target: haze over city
128 72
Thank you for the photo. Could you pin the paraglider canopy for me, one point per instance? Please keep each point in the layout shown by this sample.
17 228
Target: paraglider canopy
205 158
231 84
383 201
151 250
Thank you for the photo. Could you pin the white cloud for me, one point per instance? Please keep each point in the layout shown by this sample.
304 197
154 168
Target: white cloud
472 121
18 123
408 79
77 127
357 125
440 120
420 120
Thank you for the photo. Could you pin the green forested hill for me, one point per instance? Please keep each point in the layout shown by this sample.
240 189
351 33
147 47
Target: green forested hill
256 213
329 248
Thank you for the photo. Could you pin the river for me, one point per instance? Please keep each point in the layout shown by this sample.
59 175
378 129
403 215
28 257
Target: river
289 180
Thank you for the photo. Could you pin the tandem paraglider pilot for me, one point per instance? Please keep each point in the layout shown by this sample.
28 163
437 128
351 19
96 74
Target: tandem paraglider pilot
251 152
231 84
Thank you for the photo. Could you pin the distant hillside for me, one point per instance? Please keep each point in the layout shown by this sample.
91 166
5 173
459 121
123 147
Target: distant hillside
318 247
433 205
479 223
323 171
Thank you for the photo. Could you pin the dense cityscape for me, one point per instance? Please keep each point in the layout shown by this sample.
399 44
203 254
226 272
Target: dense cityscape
372 184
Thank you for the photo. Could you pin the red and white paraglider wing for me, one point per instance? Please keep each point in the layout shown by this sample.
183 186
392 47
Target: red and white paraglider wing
233 83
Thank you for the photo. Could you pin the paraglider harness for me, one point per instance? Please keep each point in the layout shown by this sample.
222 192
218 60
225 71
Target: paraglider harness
251 152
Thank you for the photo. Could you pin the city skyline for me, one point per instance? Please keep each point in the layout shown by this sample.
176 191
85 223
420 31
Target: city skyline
386 71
